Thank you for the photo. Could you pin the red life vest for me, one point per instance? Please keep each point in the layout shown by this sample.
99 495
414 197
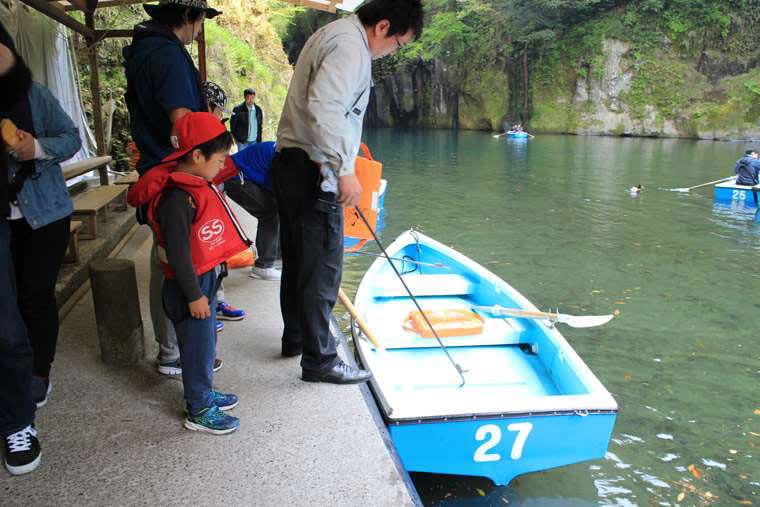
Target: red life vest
215 234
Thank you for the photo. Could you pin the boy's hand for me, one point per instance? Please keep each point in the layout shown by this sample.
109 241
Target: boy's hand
199 308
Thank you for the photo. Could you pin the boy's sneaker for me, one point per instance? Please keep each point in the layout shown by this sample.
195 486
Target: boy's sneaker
219 326
226 311
225 401
170 368
212 420
41 388
175 367
272 273
22 451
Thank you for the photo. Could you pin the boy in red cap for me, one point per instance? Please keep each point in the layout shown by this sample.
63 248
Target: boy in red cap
196 232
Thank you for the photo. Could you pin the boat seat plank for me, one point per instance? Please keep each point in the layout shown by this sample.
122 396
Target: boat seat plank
424 285
386 320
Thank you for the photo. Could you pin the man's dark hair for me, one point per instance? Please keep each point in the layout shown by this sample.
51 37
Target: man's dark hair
248 91
220 144
175 16
404 15
750 151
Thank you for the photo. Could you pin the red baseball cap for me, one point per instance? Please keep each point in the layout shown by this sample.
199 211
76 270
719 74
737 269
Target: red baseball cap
194 129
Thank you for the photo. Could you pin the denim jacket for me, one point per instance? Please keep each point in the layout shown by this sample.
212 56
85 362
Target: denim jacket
44 197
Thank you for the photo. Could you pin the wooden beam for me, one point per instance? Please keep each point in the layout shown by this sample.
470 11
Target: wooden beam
97 107
108 3
110 34
59 15
202 53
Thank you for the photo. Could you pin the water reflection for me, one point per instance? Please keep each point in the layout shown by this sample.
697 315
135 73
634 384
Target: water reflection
554 218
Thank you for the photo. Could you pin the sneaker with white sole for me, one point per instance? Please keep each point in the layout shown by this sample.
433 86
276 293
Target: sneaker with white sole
41 389
175 367
22 451
219 326
226 311
212 420
273 274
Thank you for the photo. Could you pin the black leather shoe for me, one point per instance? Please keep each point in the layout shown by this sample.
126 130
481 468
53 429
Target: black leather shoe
291 350
341 373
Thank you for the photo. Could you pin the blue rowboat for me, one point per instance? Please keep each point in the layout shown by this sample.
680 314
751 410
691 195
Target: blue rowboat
529 402
349 242
514 134
739 196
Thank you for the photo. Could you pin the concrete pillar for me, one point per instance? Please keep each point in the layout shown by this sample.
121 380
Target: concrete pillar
117 311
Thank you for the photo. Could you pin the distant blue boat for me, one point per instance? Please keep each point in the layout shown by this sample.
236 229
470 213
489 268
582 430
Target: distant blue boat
739 196
349 242
529 402
517 134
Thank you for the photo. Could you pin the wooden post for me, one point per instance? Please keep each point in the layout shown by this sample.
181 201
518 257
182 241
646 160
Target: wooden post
202 52
97 108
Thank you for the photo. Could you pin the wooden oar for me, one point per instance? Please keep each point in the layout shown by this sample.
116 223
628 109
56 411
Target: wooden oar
500 135
563 318
702 185
358 318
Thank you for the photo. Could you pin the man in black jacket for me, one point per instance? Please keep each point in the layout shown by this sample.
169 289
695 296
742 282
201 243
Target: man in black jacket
22 448
246 127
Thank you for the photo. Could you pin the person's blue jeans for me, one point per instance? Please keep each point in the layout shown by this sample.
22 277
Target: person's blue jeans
196 339
16 356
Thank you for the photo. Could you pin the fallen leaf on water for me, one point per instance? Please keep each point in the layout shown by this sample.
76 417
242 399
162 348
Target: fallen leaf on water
616 312
681 496
745 502
627 376
595 291
756 411
754 434
709 495
743 477
480 492
619 302
695 471
732 451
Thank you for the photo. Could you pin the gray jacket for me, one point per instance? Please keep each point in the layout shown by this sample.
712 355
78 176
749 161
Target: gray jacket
327 98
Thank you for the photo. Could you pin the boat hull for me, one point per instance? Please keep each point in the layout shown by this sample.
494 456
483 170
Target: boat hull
502 448
528 402
739 196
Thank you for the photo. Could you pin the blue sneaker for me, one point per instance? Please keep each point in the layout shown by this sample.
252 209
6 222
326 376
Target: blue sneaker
219 326
212 420
226 311
225 401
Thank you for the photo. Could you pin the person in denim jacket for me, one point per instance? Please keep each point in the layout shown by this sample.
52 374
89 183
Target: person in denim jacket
40 216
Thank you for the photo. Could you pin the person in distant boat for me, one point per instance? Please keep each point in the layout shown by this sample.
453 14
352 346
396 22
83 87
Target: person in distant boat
747 168
637 189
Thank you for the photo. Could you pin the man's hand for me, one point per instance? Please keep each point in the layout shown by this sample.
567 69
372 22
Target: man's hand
199 308
349 189
25 147
7 60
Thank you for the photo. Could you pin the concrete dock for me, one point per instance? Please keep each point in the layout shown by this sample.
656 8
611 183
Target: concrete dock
114 436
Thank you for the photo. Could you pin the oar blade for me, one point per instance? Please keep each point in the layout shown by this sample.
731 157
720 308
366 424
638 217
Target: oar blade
583 321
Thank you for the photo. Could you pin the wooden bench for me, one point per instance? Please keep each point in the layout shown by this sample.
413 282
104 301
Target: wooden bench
128 179
95 203
79 168
72 254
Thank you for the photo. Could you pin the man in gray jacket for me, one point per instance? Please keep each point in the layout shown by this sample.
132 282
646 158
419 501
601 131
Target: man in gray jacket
313 172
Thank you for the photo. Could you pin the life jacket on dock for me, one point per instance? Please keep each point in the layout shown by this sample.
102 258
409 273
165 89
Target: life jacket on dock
215 234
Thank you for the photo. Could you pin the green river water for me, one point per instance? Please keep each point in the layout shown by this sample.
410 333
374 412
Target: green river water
553 217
